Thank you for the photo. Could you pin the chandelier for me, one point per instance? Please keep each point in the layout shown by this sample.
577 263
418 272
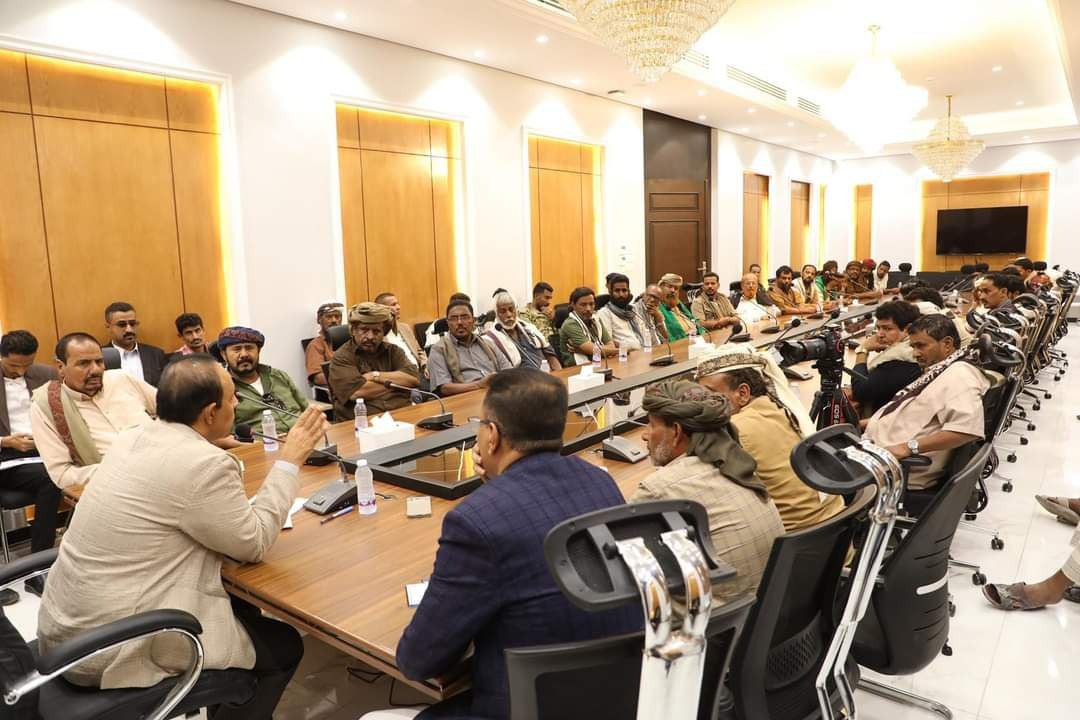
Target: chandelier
874 104
651 35
949 148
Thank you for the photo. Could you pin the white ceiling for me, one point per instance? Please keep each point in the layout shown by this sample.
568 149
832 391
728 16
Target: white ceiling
804 46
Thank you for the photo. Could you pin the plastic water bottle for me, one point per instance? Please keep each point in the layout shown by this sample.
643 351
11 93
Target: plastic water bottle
596 355
365 489
360 416
269 430
622 353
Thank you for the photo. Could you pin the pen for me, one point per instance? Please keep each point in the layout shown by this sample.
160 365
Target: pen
338 514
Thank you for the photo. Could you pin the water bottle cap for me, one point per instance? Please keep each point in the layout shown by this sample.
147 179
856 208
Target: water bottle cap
268 412
360 464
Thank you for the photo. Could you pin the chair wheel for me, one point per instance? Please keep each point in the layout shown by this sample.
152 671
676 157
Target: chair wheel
1023 440
1007 487
1047 396
1037 406
946 651
1011 457
978 578
1031 426
971 517
997 544
1057 378
952 609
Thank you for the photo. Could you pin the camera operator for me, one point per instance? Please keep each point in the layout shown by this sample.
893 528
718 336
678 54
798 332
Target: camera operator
940 411
892 366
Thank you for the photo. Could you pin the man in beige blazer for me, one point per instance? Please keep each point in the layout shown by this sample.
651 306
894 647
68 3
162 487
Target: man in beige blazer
150 532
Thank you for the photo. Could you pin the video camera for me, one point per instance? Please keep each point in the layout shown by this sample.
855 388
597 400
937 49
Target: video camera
826 348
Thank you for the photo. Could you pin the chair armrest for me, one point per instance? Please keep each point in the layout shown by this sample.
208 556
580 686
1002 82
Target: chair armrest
88 643
27 567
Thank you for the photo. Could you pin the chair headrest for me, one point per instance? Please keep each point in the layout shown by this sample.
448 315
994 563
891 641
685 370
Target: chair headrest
338 336
820 462
112 358
904 267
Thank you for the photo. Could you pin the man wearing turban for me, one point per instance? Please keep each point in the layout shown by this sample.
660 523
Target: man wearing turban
362 367
258 385
698 457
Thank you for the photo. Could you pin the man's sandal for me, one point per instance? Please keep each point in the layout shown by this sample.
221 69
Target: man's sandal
1058 507
1009 597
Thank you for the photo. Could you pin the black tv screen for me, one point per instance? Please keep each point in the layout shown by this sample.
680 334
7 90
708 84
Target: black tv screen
982 231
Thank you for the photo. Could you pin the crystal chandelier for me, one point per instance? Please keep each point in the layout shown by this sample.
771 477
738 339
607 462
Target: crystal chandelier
949 147
652 35
874 104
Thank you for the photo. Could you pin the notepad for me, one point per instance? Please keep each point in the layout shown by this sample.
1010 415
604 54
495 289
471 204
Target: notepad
414 593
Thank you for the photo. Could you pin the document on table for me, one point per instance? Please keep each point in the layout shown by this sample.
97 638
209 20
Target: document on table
297 506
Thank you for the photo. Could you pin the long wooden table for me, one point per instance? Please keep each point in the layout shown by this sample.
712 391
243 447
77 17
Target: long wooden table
344 581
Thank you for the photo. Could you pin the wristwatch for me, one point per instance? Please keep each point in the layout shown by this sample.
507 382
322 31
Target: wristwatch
376 374
913 447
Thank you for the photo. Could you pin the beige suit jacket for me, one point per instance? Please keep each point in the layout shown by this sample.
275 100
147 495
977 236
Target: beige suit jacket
150 533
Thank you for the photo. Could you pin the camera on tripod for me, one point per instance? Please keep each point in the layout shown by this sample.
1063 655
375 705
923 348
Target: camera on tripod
826 348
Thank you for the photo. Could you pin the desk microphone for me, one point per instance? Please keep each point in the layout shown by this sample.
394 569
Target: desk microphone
619 448
328 453
442 421
737 335
328 448
795 322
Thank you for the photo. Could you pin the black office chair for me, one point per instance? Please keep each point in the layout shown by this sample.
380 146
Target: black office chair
602 300
420 330
783 645
338 336
215 351
112 357
11 500
562 311
42 693
735 291
599 679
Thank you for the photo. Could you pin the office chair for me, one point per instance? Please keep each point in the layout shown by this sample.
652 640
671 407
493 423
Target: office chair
602 300
112 357
562 311
41 692
338 336
11 500
420 330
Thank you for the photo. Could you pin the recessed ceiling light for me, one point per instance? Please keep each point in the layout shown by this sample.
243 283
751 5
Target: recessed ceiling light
751 110
791 123
997 68
1019 103
701 93
576 81
542 39
702 117
479 54
341 15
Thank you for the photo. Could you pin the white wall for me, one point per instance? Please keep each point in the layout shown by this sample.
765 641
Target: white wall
734 155
897 211
281 77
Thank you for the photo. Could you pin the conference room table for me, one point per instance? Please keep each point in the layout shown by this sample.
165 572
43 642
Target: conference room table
343 581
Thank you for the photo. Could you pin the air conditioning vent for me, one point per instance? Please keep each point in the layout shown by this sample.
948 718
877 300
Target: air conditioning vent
809 106
759 84
697 58
555 5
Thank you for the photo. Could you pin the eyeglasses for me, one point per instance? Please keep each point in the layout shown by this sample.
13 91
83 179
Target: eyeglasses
485 421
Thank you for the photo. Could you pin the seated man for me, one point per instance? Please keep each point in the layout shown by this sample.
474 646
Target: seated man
828 271
76 419
807 288
711 308
258 385
189 328
402 333
439 328
879 279
691 444
749 309
581 333
855 285
166 485
363 365
1062 585
618 316
930 302
319 350
141 361
491 587
992 292
650 319
21 467
785 297
678 319
937 413
768 430
462 361
876 379
517 340
541 311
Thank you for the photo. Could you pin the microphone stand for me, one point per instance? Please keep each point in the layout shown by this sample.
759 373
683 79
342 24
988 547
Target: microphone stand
329 452
443 421
329 448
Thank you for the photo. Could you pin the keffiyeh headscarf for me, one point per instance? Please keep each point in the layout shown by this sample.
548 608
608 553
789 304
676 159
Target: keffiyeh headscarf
741 355
238 335
706 416
369 313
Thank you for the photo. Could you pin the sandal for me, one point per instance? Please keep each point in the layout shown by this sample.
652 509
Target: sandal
1059 507
1008 597
1073 594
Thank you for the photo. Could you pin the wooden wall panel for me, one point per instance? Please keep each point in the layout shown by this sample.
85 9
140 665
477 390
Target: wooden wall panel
348 129
14 90
534 219
192 105
203 262
534 160
26 300
354 239
445 138
554 154
800 224
400 230
60 88
864 221
588 233
560 230
755 221
92 176
392 132
446 186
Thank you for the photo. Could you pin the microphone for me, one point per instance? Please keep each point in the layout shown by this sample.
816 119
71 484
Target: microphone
328 447
442 421
737 334
667 359
795 322
328 453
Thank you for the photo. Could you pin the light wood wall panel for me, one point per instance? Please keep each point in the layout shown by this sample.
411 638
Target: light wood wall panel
92 176
61 88
192 105
14 92
26 300
588 233
534 215
446 188
560 231
348 128
756 222
1032 190
864 214
353 235
554 154
392 132
445 138
800 224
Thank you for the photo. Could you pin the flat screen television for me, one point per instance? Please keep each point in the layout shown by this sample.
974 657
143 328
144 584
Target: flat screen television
982 231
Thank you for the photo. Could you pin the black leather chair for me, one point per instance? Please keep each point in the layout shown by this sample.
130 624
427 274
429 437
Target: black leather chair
11 500
420 329
321 393
338 336
602 300
562 311
783 645
43 693
112 357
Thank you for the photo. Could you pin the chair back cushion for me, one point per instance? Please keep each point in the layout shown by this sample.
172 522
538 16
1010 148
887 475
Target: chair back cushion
16 662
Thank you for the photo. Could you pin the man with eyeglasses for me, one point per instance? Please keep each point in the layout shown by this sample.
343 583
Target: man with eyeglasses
362 366
139 360
462 361
258 385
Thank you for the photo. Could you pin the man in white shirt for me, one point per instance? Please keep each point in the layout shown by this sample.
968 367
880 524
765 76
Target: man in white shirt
618 314
749 309
141 361
20 465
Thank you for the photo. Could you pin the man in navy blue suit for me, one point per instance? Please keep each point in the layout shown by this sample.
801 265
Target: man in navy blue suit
491 586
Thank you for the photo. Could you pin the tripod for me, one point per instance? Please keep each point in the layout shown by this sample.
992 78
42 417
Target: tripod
830 405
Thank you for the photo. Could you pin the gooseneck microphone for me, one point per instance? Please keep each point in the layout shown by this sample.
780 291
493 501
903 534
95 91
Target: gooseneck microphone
328 448
327 454
795 322
664 360
443 421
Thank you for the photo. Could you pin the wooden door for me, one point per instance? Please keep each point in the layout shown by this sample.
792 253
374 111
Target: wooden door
676 228
864 216
755 222
800 224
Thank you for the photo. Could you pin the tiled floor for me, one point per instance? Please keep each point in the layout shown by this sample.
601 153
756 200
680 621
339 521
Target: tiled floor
1005 666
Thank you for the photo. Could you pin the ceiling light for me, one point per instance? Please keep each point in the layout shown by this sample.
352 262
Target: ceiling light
1019 103
874 104
701 93
949 148
996 68
751 110
341 16
542 39
702 117
650 36
791 123
479 54
576 81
